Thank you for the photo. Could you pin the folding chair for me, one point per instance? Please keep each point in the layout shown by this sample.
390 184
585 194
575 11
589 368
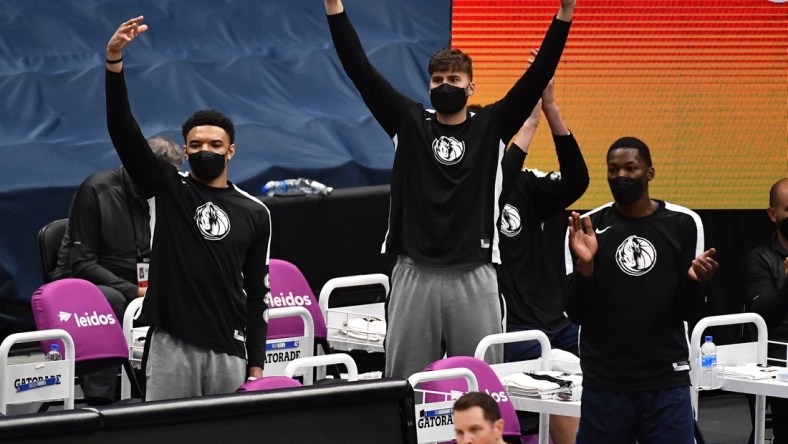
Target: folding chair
434 411
738 353
49 239
132 334
37 381
78 307
290 288
338 320
488 382
281 350
541 363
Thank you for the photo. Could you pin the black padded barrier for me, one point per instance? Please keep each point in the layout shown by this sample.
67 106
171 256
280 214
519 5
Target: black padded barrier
360 412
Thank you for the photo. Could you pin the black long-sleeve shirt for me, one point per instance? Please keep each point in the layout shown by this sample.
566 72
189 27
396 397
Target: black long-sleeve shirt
108 233
632 309
209 261
766 287
528 276
446 179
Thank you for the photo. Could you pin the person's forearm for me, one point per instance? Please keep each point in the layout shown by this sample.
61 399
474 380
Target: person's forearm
554 119
114 61
518 103
574 171
524 137
127 138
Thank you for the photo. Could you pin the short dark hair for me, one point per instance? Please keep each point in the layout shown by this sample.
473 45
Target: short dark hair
773 192
209 117
635 144
452 60
482 400
166 150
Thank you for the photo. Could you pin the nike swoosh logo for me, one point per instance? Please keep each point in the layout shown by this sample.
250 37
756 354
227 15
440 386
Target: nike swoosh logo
598 231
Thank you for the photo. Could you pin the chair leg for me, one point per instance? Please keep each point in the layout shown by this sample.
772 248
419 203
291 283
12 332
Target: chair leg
699 439
133 378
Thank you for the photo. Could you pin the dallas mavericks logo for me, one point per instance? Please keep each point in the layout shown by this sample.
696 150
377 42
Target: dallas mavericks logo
212 221
636 256
448 150
510 221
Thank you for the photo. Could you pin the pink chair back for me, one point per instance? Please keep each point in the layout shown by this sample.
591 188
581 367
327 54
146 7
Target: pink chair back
78 307
289 288
268 383
488 382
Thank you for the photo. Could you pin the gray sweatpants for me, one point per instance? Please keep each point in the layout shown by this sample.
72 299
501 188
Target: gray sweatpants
176 369
433 311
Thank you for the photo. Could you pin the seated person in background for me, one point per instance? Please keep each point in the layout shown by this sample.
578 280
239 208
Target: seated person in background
766 287
528 277
477 419
108 235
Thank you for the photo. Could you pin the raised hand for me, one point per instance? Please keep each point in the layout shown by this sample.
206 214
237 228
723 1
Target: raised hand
333 6
125 34
566 10
582 242
703 266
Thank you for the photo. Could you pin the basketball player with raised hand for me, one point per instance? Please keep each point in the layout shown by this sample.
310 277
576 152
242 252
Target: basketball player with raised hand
206 298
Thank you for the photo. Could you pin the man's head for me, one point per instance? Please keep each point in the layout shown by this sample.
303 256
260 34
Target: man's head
629 170
477 419
778 208
209 138
167 150
451 80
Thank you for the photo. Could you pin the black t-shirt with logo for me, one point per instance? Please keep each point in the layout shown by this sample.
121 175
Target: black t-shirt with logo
632 309
446 179
209 261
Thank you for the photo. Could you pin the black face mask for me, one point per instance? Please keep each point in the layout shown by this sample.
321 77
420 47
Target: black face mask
782 227
625 190
206 165
448 99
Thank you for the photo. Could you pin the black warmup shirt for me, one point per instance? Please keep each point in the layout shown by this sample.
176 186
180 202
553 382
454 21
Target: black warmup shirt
531 277
209 261
632 309
446 179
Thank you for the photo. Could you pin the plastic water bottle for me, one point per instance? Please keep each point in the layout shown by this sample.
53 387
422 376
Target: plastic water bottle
708 364
54 353
301 184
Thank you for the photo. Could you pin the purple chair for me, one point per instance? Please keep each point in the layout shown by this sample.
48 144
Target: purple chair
268 383
488 382
78 307
289 288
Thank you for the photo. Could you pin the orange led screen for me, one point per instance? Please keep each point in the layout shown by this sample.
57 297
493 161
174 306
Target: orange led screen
704 84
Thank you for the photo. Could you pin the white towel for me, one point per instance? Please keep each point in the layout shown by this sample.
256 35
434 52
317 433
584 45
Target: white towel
520 384
750 371
369 328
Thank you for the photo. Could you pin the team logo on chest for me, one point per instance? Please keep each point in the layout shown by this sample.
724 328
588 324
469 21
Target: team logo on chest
510 221
448 150
212 221
636 256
